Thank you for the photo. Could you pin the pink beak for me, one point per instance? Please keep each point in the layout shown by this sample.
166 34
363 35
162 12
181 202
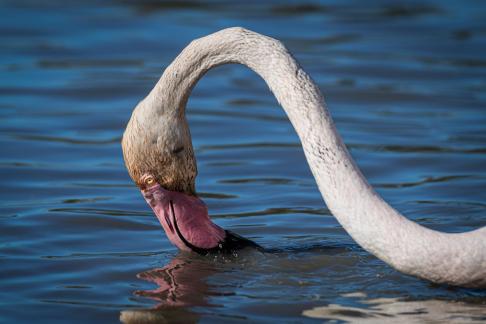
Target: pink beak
187 224
185 220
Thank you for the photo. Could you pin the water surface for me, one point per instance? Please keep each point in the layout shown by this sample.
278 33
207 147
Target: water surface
405 83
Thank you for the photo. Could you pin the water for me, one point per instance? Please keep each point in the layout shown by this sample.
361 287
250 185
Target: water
405 82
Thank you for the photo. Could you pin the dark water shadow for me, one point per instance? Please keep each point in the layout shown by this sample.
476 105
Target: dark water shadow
317 248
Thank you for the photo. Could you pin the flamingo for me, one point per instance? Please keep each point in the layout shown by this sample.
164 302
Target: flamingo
159 156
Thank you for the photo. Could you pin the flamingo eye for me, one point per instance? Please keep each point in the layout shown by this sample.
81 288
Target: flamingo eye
178 149
149 181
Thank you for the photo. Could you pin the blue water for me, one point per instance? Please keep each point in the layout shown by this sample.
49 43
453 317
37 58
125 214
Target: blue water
405 83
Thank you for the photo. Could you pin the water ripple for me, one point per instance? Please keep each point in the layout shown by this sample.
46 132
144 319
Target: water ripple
67 140
104 254
423 182
276 211
107 212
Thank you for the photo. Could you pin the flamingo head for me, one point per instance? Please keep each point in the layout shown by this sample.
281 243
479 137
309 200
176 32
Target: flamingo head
158 153
157 142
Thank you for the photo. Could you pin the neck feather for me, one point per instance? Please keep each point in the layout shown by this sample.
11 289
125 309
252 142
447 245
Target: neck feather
458 259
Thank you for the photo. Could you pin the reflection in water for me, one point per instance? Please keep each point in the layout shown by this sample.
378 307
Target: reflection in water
190 281
181 284
184 283
386 310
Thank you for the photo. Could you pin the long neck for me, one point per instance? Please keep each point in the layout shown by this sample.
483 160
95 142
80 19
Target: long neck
458 259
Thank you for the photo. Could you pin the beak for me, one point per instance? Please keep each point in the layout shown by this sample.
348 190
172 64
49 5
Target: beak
185 220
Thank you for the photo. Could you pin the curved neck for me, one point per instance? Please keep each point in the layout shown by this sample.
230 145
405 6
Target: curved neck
375 225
